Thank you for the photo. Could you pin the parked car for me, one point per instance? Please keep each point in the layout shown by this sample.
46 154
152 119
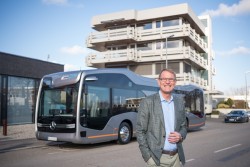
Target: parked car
237 116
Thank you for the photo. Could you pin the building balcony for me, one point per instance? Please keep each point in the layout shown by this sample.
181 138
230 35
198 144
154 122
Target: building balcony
187 78
110 56
181 31
133 55
98 40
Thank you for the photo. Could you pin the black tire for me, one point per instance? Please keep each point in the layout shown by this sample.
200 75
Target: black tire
124 133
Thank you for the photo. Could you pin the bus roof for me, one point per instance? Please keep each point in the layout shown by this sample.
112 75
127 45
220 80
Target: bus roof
137 79
71 77
74 76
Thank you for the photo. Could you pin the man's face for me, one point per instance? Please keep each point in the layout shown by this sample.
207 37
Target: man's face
166 82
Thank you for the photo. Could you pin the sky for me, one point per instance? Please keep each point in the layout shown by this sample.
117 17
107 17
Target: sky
56 31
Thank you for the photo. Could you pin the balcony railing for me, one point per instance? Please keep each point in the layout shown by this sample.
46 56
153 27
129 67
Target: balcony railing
196 37
111 35
138 34
111 56
187 78
146 55
195 57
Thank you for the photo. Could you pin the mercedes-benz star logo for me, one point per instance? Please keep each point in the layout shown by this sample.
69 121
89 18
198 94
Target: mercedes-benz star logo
52 125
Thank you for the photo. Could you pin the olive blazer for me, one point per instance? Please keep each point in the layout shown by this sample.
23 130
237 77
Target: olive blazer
150 128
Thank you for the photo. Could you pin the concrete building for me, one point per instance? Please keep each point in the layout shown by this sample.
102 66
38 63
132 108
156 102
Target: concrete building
19 82
149 40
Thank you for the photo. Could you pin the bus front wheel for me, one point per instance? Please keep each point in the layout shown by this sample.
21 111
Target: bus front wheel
124 134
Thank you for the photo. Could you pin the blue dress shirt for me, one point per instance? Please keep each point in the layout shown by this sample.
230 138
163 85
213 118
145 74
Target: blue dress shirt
169 120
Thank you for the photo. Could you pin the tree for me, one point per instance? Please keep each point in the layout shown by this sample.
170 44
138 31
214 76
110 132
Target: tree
229 102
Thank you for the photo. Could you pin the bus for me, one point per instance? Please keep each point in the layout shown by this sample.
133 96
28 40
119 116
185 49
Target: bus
100 105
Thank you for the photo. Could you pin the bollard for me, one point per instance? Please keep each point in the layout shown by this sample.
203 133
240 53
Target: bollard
4 127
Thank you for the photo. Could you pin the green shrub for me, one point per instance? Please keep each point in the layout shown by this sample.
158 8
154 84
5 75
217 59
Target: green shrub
223 106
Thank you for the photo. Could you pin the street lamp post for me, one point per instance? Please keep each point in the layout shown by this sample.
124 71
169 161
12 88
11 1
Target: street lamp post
246 87
167 49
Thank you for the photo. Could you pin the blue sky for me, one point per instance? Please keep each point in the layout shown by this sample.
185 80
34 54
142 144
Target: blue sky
59 28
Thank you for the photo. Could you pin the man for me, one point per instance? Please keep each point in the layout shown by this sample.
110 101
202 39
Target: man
161 125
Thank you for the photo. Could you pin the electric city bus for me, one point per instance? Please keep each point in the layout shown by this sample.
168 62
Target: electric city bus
99 105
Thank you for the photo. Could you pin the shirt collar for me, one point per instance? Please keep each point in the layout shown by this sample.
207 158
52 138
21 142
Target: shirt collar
162 98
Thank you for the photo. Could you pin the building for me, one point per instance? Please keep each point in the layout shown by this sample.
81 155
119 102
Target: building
19 82
149 40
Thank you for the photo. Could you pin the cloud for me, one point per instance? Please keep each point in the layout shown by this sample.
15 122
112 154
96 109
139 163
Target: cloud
243 7
55 2
74 50
70 67
63 3
241 50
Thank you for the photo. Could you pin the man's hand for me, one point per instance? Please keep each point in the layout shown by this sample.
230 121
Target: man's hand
174 137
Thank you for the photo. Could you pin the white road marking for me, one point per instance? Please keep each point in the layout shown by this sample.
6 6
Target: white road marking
227 148
190 160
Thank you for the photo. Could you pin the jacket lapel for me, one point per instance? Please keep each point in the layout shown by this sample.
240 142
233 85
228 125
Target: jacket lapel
176 110
158 108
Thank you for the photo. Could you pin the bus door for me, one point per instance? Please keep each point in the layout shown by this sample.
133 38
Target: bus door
98 107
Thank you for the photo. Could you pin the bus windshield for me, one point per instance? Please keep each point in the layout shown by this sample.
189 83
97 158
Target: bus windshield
58 102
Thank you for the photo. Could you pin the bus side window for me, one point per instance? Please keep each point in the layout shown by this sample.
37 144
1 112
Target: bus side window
92 105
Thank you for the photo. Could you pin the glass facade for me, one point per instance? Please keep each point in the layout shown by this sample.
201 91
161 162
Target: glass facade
20 100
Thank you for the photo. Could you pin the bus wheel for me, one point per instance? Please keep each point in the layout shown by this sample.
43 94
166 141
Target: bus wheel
124 134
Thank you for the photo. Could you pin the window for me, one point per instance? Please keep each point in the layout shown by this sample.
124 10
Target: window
61 101
121 47
159 67
187 68
171 65
174 66
168 23
158 24
98 101
147 26
21 100
158 45
123 101
143 69
172 44
144 46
